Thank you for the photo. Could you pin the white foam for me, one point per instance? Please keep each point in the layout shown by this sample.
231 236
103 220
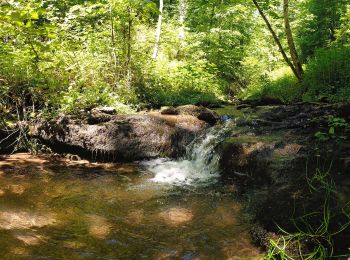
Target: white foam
199 166
178 172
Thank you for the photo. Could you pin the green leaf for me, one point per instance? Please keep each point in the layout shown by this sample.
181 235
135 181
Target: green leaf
34 15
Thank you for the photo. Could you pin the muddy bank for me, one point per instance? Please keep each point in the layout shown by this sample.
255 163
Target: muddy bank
273 154
101 136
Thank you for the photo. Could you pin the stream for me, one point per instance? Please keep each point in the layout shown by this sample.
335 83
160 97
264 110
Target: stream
158 209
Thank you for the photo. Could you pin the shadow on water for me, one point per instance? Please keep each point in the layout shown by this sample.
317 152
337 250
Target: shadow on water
55 211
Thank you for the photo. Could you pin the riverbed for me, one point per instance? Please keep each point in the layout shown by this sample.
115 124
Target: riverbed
63 209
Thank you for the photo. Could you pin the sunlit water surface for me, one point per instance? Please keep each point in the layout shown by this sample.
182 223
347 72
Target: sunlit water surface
50 211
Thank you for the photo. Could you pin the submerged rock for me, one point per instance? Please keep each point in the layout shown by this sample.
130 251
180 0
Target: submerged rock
121 138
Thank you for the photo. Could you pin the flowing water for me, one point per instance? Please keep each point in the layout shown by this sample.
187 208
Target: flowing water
199 166
159 209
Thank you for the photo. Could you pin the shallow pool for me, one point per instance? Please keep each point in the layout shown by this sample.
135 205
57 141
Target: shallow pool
52 210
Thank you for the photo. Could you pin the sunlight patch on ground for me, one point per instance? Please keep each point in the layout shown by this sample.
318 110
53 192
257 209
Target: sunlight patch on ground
224 216
241 249
99 227
73 244
135 217
16 189
167 255
16 162
176 216
288 150
30 238
19 251
24 220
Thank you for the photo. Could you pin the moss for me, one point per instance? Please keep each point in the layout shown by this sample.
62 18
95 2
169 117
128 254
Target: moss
231 111
254 139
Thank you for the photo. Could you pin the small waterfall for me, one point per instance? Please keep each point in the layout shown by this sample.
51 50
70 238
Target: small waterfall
200 165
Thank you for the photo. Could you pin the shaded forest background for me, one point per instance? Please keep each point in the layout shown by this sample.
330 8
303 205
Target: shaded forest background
62 56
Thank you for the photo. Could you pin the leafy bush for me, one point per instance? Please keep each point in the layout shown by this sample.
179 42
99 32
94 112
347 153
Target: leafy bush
287 89
89 97
328 76
281 85
177 83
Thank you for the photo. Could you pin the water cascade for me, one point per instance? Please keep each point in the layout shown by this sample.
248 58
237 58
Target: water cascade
198 166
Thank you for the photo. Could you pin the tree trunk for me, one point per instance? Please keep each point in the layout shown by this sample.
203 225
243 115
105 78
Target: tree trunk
128 62
159 30
293 52
277 41
182 17
114 52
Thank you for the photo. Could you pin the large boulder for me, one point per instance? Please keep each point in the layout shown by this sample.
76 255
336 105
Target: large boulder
199 112
122 138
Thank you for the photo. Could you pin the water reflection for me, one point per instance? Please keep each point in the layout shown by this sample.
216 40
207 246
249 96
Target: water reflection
60 211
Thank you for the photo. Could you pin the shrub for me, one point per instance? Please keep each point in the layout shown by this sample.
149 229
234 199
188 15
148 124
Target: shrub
178 83
328 76
281 85
88 97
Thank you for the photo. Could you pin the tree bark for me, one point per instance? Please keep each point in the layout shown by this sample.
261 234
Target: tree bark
182 17
128 62
277 41
114 52
290 40
158 31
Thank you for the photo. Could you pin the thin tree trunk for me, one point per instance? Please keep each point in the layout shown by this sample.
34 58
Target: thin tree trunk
182 17
128 62
129 39
290 40
159 30
114 52
277 41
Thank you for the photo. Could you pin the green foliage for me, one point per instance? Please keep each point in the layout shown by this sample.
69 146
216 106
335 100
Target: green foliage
318 30
286 88
281 84
70 54
327 75
326 78
318 24
343 31
336 128
178 83
224 29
